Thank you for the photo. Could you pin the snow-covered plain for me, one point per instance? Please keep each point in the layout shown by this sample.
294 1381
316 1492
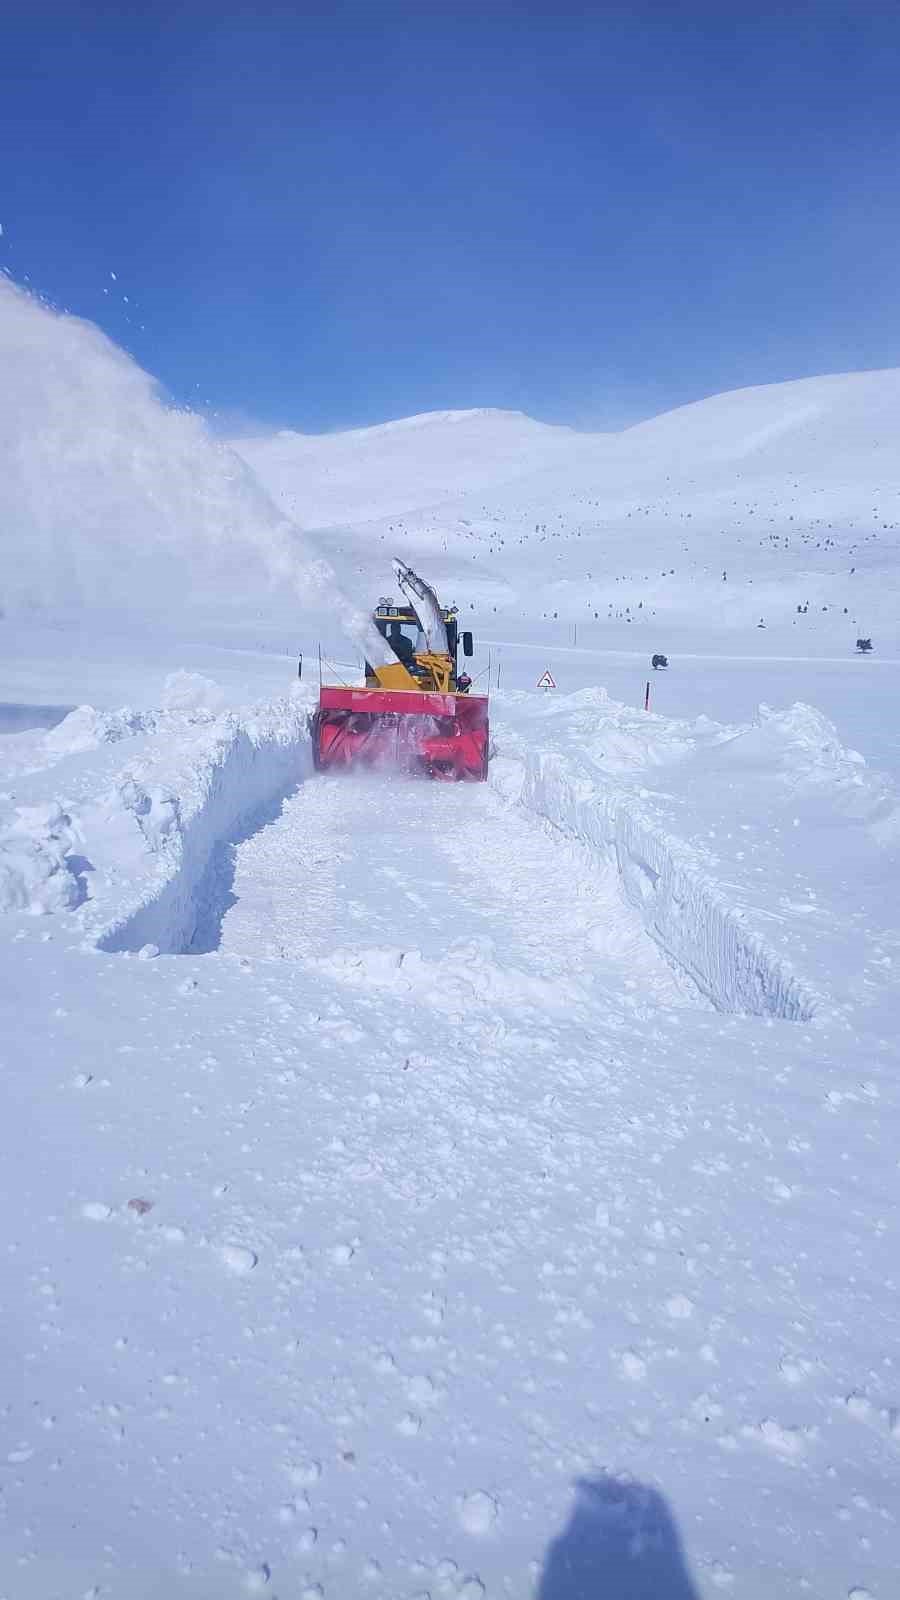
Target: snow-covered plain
419 1190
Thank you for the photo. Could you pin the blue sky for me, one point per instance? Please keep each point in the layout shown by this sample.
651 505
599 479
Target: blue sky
327 215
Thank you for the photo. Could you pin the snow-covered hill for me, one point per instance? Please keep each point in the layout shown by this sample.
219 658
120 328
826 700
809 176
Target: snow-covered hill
745 506
332 479
779 504
844 427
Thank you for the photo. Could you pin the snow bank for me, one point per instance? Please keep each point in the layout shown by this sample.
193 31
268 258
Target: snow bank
166 824
188 698
594 786
137 844
801 749
85 728
684 909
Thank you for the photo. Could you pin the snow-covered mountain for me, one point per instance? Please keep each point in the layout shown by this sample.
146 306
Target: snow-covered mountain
331 479
777 503
842 428
750 504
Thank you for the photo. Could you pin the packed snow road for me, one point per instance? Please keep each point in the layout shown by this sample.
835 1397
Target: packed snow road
446 898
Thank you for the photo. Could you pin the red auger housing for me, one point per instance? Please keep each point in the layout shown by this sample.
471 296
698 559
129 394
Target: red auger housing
414 713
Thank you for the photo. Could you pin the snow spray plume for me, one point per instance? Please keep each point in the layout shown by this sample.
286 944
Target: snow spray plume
111 500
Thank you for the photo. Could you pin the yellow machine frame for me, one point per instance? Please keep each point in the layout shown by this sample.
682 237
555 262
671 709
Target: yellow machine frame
435 669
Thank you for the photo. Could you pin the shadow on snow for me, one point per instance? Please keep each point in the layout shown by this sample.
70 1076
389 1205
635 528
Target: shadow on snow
620 1543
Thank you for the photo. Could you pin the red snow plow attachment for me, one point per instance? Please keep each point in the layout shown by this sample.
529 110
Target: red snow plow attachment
438 735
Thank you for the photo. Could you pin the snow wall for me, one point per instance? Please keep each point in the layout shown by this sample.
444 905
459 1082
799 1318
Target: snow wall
684 910
222 784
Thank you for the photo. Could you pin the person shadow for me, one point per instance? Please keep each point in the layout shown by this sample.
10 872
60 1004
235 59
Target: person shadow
620 1543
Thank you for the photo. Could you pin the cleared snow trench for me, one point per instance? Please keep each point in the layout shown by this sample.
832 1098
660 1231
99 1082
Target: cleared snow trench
446 895
381 880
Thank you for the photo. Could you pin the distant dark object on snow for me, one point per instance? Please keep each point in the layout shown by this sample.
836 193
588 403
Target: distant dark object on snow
659 661
863 646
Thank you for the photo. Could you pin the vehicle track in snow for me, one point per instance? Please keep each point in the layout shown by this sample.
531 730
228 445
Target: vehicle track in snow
446 890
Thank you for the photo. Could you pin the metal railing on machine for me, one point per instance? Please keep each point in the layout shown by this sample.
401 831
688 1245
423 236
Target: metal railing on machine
339 673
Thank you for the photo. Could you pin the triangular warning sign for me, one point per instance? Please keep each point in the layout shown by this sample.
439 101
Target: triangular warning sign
546 681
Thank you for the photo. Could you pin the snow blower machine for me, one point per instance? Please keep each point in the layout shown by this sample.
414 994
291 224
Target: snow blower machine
415 713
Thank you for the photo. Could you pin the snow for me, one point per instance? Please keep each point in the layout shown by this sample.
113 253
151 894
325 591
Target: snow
779 503
112 502
36 869
351 477
107 495
444 1190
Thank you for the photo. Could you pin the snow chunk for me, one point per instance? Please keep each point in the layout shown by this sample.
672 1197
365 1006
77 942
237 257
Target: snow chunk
478 1511
35 875
191 691
784 1441
238 1259
633 1366
155 810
